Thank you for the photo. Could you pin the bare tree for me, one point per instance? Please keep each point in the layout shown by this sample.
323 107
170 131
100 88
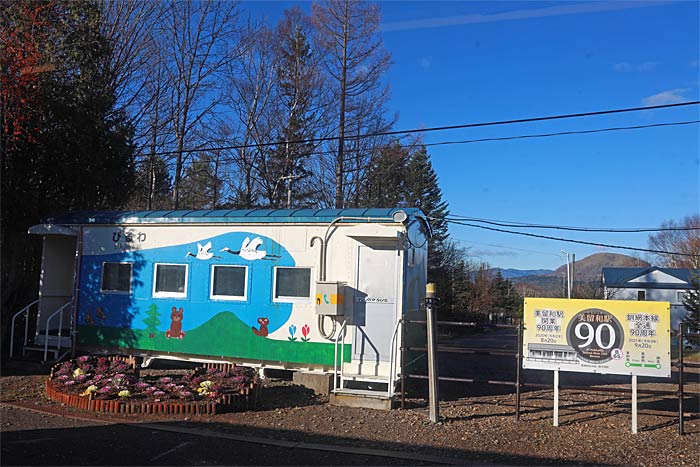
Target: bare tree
595 290
347 31
128 26
140 83
683 238
366 116
250 94
154 183
481 290
200 38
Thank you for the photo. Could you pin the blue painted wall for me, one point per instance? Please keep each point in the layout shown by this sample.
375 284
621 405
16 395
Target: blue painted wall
129 311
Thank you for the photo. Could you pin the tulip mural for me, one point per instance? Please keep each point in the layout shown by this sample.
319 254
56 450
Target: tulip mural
305 331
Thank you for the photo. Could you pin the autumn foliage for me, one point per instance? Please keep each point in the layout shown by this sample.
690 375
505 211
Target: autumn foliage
23 40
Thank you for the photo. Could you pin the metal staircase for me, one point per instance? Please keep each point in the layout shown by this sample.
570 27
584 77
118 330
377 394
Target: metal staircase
359 389
52 336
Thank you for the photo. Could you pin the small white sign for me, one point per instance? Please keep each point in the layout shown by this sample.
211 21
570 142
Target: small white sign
374 300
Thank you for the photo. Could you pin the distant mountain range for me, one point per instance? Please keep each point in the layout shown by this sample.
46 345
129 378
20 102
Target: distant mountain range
515 273
548 283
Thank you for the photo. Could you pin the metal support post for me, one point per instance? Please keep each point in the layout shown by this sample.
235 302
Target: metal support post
634 404
433 389
680 379
403 365
573 275
518 365
556 397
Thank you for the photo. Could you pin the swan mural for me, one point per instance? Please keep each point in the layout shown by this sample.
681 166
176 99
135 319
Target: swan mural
249 250
203 252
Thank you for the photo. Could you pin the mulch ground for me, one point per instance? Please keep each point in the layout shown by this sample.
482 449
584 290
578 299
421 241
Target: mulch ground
595 428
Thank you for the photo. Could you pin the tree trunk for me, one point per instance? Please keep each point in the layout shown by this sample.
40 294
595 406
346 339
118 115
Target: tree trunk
341 124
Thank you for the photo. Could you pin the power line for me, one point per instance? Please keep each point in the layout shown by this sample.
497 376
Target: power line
508 247
564 133
431 129
547 237
575 229
480 140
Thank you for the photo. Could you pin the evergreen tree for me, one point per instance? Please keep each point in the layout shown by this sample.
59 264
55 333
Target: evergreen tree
509 302
297 89
401 176
201 185
73 150
423 191
152 185
153 320
691 301
385 185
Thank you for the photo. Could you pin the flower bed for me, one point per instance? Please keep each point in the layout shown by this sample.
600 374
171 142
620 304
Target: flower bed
113 384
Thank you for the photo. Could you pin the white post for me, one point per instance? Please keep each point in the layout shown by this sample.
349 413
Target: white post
433 375
634 404
568 275
556 397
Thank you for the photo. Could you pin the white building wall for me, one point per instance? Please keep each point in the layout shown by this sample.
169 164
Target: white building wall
678 311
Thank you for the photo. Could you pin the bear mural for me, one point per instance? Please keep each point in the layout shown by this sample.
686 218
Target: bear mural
175 331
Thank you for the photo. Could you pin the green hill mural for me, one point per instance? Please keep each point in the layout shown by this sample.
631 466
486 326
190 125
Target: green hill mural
222 336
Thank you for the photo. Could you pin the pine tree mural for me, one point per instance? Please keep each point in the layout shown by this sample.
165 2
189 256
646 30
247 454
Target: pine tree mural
153 320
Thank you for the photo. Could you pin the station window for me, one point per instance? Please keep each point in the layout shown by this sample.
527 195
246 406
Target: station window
229 282
170 280
292 284
641 295
116 278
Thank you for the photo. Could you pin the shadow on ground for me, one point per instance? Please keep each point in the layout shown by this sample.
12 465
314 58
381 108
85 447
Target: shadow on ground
186 443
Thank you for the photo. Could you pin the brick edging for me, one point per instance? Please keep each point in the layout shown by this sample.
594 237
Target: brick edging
245 400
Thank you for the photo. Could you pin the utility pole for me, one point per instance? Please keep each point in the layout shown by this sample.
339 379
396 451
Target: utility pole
288 179
568 275
573 274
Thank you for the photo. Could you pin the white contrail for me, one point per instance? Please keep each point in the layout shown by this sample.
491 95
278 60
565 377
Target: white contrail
559 10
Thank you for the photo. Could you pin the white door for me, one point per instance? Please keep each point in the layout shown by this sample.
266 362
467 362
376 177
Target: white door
56 283
376 301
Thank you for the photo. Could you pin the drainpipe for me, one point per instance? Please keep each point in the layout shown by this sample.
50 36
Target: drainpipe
398 216
76 292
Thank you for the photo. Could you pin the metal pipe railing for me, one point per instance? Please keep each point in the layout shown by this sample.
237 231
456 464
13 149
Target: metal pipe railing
48 322
26 326
392 363
341 333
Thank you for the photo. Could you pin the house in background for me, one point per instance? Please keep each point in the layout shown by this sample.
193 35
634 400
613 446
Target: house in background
652 284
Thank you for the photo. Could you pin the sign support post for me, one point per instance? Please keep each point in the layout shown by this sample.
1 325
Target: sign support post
556 397
634 404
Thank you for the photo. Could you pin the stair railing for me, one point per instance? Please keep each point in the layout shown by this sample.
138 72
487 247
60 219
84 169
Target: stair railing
60 329
24 310
340 338
392 359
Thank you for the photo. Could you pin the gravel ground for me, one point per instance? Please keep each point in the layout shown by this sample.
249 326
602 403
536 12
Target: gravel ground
595 428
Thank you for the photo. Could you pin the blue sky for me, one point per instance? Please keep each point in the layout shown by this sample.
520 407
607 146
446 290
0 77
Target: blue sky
464 62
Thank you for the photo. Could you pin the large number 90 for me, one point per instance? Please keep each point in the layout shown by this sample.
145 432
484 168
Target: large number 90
586 332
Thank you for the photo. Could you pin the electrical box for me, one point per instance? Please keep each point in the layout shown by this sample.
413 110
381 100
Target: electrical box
330 298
